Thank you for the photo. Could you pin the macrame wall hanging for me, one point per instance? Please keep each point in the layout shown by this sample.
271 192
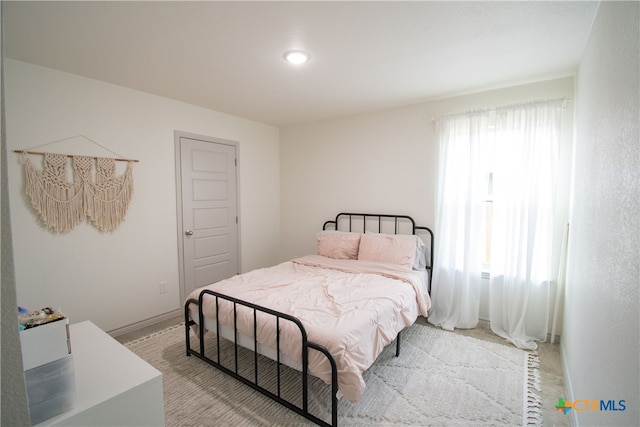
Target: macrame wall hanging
95 193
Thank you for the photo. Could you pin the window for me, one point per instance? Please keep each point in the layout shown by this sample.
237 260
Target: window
495 214
488 220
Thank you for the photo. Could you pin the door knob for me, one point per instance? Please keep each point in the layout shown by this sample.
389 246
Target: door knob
188 233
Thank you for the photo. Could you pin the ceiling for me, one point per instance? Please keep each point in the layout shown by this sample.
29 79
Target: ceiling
365 56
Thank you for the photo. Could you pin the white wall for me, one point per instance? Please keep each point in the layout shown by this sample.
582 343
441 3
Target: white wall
113 278
386 162
601 343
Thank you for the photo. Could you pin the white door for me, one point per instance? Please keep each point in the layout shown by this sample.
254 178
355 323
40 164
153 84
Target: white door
208 224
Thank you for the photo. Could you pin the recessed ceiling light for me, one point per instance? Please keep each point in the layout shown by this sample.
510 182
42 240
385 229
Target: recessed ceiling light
297 57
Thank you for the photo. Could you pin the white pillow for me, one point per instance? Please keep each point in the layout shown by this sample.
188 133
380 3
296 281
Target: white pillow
338 244
392 248
420 262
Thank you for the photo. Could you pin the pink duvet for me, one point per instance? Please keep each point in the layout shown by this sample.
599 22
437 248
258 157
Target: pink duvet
353 308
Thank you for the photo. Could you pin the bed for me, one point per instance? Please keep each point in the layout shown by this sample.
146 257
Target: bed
328 314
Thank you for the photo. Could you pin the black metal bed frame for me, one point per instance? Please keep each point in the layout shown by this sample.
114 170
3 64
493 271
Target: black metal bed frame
306 345
302 409
397 221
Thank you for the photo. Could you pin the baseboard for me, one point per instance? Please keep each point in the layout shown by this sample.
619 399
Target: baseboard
486 324
144 323
567 387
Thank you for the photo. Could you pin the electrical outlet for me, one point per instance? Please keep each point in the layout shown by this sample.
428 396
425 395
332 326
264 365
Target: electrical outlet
163 287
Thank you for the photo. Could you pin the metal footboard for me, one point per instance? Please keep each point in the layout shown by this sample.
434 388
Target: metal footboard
302 409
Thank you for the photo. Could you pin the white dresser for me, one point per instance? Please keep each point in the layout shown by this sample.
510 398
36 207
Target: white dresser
114 386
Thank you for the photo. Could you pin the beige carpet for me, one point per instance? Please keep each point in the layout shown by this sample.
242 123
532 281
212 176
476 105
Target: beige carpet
440 378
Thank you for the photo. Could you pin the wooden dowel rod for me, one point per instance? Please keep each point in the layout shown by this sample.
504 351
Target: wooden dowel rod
71 155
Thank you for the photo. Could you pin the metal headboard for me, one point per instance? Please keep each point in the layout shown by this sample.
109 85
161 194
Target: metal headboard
384 223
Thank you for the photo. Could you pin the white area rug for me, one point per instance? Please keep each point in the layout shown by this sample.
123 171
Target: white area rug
440 378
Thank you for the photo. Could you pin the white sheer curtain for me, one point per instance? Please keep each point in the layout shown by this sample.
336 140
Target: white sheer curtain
519 147
459 221
527 146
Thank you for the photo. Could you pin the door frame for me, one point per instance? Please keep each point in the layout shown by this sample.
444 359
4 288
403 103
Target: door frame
178 174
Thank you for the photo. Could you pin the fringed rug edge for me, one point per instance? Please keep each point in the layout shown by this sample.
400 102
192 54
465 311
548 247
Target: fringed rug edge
532 410
153 334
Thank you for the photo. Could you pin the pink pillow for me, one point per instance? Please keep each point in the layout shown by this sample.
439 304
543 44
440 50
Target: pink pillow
338 244
391 248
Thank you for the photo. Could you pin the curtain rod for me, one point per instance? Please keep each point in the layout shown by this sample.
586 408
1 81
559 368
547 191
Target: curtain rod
72 155
564 100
